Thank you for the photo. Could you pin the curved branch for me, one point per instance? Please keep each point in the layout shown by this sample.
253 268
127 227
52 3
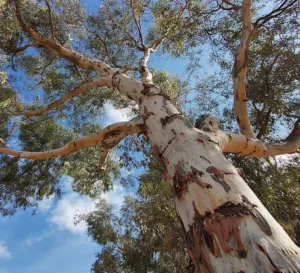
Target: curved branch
234 143
81 61
239 72
128 87
16 50
77 144
78 90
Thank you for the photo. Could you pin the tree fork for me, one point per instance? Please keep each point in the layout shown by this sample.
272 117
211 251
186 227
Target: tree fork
227 228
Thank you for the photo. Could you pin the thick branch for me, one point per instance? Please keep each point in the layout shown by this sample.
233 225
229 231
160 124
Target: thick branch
234 143
97 139
128 87
239 73
146 74
78 90
80 60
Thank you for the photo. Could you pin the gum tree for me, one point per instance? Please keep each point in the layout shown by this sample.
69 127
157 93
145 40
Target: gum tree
227 229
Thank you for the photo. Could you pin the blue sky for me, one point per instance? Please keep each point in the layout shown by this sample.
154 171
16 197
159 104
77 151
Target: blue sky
49 241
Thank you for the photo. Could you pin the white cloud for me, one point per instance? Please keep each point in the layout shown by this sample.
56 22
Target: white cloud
45 204
4 253
67 208
115 197
73 204
114 115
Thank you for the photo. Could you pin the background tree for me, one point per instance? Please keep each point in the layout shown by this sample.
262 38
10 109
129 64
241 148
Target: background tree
226 226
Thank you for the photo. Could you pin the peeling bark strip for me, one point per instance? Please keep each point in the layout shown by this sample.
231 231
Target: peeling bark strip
226 221
197 239
221 224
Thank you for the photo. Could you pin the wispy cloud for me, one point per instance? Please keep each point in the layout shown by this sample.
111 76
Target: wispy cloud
4 252
37 238
73 204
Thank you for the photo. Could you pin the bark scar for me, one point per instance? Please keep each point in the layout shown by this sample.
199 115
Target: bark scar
218 176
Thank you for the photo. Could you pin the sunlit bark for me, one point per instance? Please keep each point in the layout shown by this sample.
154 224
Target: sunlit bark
122 128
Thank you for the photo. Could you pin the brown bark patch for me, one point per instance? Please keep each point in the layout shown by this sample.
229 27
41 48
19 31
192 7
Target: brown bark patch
196 244
168 119
147 89
218 176
180 183
146 114
182 179
162 160
223 226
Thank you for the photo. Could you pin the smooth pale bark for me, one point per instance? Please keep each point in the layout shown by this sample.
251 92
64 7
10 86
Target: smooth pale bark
239 73
227 228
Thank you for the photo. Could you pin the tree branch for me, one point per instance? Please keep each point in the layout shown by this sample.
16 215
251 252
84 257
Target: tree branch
274 13
108 144
128 87
236 143
264 125
127 128
51 21
75 92
145 72
232 6
239 72
16 50
137 24
153 47
81 61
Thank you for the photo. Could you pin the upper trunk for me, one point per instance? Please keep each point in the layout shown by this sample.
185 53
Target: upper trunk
227 228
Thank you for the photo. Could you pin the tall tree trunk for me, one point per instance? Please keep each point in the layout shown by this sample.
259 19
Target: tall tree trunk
227 228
